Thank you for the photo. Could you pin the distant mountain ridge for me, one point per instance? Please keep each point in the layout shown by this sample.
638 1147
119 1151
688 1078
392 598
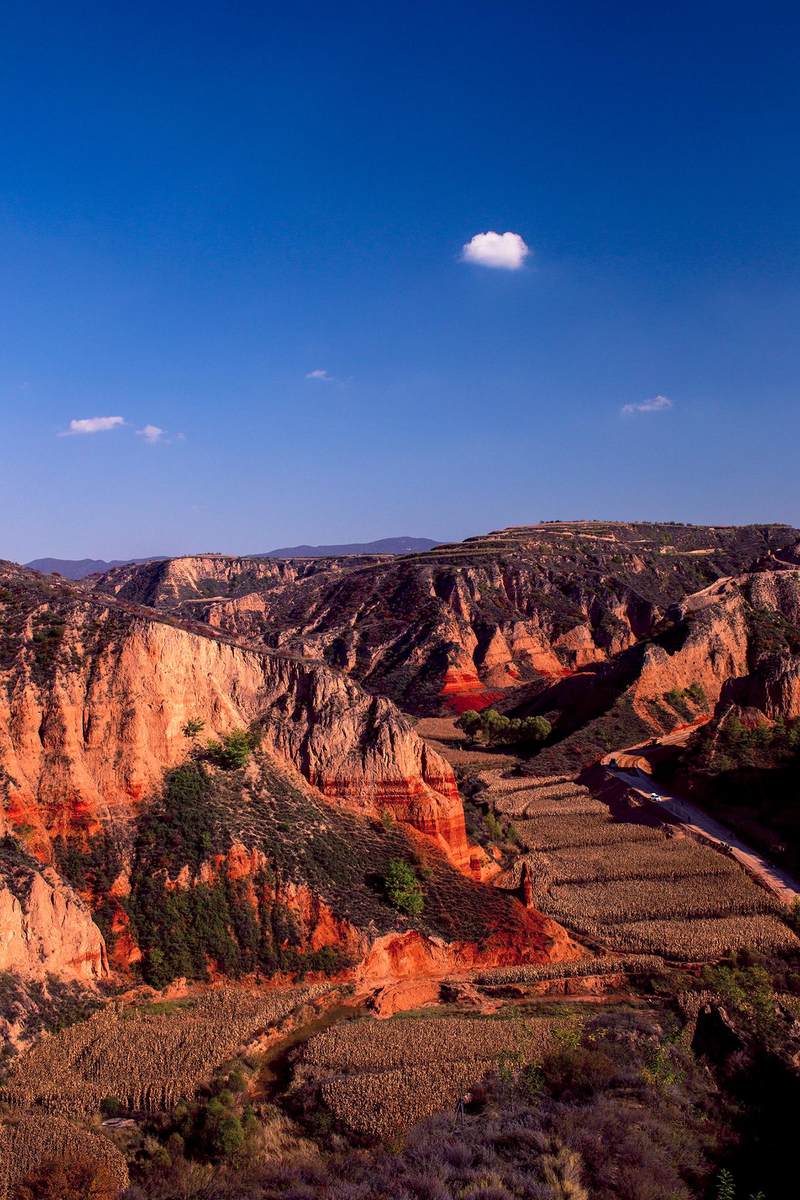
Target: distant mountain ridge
391 545
79 568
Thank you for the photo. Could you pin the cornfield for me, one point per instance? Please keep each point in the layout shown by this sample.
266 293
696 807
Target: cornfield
495 781
380 1077
384 1103
629 885
533 973
531 803
28 1141
415 1041
703 940
146 1061
616 901
666 858
554 832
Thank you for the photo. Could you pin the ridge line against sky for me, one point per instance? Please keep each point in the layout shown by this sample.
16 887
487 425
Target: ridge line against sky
309 276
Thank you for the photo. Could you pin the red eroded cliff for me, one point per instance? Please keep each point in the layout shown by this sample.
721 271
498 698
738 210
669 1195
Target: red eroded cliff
89 738
46 928
733 643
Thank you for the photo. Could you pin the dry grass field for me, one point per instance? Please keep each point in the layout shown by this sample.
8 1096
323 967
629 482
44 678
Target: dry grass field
628 883
380 1077
146 1059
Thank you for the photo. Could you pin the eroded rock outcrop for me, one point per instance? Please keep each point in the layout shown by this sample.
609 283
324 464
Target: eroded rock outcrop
46 928
737 638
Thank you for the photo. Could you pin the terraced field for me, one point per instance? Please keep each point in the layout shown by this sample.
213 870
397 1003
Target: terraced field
147 1059
380 1077
628 882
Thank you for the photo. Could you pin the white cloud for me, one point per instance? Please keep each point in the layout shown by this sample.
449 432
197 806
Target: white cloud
92 425
505 250
320 374
656 404
151 433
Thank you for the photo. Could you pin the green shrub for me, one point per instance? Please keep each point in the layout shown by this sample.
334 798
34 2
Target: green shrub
232 751
403 889
726 1188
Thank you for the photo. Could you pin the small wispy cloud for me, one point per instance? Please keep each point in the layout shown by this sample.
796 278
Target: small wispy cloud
655 404
506 251
320 374
151 434
92 425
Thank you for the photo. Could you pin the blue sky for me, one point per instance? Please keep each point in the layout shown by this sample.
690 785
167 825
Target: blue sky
203 204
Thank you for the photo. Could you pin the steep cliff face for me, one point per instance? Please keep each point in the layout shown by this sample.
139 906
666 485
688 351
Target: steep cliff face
455 626
714 648
772 688
45 927
86 733
738 639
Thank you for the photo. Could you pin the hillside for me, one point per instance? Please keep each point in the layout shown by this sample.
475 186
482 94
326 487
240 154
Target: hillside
225 849
80 568
734 642
462 624
100 715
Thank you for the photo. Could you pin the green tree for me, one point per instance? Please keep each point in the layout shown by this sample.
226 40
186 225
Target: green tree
535 730
496 727
232 751
222 1133
403 889
469 722
192 728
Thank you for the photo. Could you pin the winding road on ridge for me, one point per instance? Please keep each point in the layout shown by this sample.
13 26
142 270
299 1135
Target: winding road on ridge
780 882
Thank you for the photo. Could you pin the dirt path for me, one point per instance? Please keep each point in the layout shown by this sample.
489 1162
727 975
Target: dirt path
778 881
